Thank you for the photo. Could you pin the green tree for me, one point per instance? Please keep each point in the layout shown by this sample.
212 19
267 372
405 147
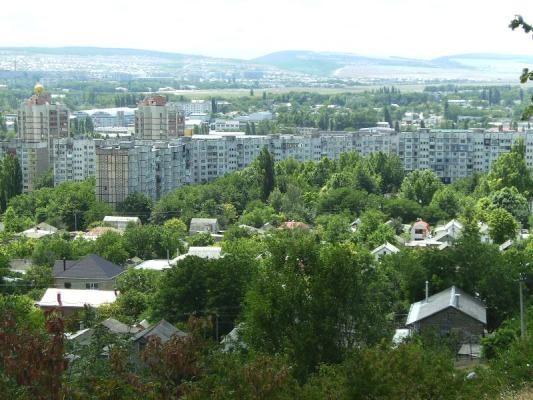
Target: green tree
502 225
112 247
510 169
10 179
420 186
265 165
447 200
312 302
136 204
518 22
511 200
387 117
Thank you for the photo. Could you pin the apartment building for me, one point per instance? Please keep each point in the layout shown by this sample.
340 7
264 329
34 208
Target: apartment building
194 107
34 161
455 154
38 119
155 119
74 159
124 169
156 167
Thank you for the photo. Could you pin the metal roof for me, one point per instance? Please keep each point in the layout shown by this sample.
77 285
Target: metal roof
163 330
390 248
208 252
116 218
91 266
156 265
445 299
76 298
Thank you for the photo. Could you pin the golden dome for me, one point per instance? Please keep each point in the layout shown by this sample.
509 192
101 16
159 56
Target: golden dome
38 89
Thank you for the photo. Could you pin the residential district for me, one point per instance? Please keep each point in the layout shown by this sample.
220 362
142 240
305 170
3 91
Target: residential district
163 154
402 275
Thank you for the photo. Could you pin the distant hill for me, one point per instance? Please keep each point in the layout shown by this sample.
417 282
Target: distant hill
103 51
328 63
141 63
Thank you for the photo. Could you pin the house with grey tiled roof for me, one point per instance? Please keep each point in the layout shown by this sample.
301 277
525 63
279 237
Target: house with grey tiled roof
200 225
451 311
90 272
163 330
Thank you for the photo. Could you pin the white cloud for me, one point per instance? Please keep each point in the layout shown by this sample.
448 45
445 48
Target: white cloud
239 28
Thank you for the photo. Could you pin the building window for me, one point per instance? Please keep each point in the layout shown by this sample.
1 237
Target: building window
91 285
68 285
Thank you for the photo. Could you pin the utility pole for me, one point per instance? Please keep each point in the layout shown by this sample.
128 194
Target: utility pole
522 316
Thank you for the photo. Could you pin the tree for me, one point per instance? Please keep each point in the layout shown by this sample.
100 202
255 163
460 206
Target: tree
447 200
137 204
511 200
3 126
265 164
502 225
397 127
526 75
45 180
312 302
387 117
510 169
112 247
10 179
420 186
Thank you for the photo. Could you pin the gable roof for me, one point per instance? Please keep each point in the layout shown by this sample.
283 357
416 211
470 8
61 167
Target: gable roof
91 266
116 326
76 298
163 330
420 224
207 252
445 299
451 226
155 265
390 248
39 231
204 220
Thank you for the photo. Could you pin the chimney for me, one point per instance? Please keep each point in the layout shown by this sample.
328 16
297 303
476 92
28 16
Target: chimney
64 264
457 297
59 299
427 291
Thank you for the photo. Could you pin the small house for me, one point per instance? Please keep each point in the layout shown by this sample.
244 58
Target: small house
121 223
355 224
90 272
203 225
384 249
448 233
163 330
39 231
72 300
450 311
420 230
98 231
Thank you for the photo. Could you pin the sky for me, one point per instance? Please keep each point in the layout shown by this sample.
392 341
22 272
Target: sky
251 28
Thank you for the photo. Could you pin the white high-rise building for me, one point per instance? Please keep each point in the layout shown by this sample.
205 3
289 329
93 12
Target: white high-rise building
38 119
74 159
155 119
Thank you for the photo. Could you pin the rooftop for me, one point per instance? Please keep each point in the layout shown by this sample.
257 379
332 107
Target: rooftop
451 297
76 298
91 266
